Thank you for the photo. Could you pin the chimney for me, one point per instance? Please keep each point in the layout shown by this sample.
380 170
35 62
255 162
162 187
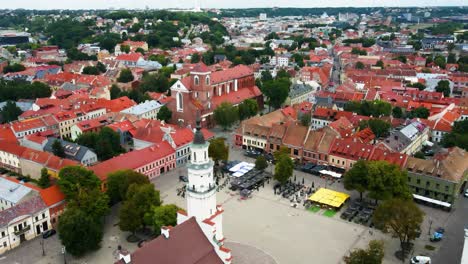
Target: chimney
124 255
165 231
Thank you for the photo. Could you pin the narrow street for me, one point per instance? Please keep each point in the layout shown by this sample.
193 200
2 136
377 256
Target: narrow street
452 245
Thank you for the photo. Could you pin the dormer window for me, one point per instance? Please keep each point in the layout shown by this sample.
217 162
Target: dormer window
196 80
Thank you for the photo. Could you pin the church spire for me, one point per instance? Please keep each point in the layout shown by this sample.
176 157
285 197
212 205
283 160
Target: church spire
198 138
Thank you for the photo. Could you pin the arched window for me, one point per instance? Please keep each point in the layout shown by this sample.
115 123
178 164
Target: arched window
196 80
207 80
180 102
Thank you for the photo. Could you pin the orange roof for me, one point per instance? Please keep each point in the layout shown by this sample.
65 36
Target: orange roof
7 135
129 57
52 195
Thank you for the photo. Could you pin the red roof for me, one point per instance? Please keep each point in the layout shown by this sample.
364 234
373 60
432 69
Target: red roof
350 149
236 97
134 57
236 72
13 148
52 195
186 244
7 135
133 159
200 68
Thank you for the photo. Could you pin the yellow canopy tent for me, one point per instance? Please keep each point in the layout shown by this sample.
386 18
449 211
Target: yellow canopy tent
329 197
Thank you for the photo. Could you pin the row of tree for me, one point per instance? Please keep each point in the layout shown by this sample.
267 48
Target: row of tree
226 114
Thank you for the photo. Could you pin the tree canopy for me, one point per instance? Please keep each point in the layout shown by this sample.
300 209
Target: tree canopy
284 166
375 108
247 109
9 112
443 86
58 149
379 127
386 181
261 163
74 178
119 181
458 136
106 143
164 215
17 89
402 218
218 150
225 115
374 254
356 178
125 76
164 114
276 91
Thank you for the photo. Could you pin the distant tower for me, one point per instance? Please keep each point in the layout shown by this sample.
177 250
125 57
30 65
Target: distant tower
201 196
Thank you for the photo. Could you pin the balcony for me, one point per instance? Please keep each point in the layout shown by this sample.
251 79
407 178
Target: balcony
22 231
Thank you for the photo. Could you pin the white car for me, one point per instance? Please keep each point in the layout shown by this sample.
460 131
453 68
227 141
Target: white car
420 260
466 193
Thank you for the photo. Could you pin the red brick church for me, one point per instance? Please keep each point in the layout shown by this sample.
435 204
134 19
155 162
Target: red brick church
203 90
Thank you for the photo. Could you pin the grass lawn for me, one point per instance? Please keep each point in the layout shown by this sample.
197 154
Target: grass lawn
329 213
314 209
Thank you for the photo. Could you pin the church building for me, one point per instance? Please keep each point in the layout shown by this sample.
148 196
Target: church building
203 90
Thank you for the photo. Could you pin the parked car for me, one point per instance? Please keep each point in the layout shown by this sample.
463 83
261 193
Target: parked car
466 193
183 178
48 233
252 153
307 167
420 260
436 237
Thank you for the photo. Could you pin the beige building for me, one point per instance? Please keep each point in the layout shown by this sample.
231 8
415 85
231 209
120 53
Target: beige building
23 222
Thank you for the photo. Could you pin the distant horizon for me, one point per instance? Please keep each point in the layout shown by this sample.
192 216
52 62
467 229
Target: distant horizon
207 4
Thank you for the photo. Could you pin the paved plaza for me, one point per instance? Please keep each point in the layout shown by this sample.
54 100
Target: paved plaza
263 229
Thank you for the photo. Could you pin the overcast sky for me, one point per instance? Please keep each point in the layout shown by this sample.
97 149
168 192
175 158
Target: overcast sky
103 4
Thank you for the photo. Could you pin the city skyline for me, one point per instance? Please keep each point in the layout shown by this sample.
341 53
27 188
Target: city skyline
128 4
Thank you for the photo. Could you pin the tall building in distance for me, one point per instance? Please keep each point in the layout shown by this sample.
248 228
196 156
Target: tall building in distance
201 196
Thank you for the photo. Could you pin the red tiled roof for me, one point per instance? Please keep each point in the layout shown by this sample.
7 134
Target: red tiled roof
36 138
186 244
52 195
13 148
200 68
133 159
236 72
236 97
342 126
295 135
134 57
7 135
350 149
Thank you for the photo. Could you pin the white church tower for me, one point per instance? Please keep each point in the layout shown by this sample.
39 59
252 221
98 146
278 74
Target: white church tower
201 196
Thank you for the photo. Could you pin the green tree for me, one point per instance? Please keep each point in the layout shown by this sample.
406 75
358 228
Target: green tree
397 112
218 150
44 180
164 114
101 67
418 85
247 109
115 91
443 86
374 254
277 91
451 58
419 155
359 65
140 50
387 181
225 115
79 232
283 168
402 58
261 163
119 181
125 48
10 112
282 74
458 136
125 76
266 76
129 219
74 178
91 201
58 149
379 127
420 112
356 178
440 61
164 215
402 218
306 119
380 64
16 67
195 58
90 70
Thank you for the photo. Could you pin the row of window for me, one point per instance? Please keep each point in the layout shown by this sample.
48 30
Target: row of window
429 185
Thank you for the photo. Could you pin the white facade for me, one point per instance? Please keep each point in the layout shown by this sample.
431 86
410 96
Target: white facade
280 61
318 123
201 196
147 110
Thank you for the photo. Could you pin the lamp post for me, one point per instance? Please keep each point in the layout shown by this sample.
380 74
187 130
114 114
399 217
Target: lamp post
430 226
64 252
42 243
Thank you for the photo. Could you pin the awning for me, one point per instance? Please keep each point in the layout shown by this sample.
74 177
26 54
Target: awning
430 200
330 173
329 197
428 143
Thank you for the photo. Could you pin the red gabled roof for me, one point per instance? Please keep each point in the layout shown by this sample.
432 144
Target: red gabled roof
7 135
134 57
350 149
52 195
133 159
